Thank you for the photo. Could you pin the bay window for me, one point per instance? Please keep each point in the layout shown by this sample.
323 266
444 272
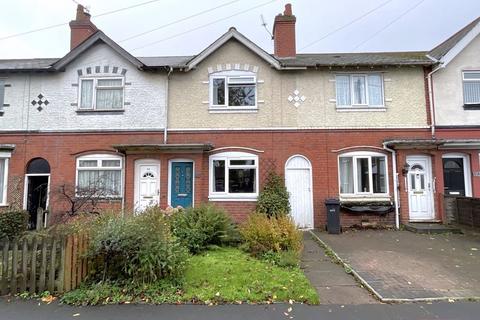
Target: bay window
471 87
233 175
363 173
104 94
359 90
99 175
233 90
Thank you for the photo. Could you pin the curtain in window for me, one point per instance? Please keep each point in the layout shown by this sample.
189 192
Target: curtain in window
375 94
219 91
471 92
363 175
219 176
105 182
346 175
343 90
2 179
109 98
378 175
86 94
359 90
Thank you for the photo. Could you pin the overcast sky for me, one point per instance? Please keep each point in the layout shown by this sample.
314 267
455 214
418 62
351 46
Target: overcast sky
398 25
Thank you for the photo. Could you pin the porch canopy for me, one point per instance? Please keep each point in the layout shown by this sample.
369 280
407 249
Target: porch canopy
163 148
437 144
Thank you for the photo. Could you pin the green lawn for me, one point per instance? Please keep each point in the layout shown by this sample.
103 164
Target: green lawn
224 275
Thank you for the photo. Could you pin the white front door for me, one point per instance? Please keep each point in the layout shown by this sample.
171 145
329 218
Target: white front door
298 180
147 188
420 188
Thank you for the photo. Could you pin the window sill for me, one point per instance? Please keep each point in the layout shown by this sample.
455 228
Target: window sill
365 198
361 109
116 111
231 198
233 110
471 106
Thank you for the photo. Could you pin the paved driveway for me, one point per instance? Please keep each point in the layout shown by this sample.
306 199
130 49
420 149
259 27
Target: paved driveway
403 265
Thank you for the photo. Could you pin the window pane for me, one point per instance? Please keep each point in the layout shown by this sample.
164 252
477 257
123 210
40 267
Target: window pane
218 175
363 182
375 93
86 94
2 178
346 175
110 82
359 94
99 182
379 175
242 162
241 95
471 75
471 92
219 91
87 163
343 90
110 163
241 180
109 99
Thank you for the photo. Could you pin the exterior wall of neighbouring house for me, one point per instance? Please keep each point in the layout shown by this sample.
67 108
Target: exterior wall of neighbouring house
189 96
448 89
144 97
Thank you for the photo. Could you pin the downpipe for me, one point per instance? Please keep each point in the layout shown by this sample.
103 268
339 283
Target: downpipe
395 184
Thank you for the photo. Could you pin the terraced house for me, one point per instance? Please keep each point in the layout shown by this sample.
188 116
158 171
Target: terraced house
182 130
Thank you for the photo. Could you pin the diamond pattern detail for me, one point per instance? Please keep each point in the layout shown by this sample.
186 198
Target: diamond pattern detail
41 102
296 98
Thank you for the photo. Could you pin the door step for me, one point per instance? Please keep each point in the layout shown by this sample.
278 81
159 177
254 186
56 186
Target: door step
430 228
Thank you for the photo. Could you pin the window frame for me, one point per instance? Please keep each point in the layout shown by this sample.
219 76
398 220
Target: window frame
367 104
5 156
96 87
100 158
226 195
227 75
469 80
363 155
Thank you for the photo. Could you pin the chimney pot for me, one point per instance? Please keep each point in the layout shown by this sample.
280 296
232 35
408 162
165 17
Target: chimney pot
284 34
81 28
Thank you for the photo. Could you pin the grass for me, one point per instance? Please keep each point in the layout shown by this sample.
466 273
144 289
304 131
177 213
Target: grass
223 275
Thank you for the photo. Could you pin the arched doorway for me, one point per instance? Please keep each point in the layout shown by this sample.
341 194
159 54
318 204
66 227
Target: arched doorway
37 187
298 180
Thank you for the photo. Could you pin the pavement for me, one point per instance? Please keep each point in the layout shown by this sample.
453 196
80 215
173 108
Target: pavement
28 310
333 284
401 265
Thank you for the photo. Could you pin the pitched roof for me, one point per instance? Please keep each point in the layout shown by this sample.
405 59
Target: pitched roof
443 48
26 64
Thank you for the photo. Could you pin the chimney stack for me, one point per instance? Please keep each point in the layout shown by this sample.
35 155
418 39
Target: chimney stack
81 28
284 34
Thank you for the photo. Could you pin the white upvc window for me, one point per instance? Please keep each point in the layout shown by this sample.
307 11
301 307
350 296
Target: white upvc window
359 90
233 90
99 175
104 94
363 173
471 87
233 176
4 159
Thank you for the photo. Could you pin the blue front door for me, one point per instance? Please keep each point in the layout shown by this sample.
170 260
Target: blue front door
181 184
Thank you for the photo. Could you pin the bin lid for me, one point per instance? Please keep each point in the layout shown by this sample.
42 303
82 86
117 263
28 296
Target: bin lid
332 201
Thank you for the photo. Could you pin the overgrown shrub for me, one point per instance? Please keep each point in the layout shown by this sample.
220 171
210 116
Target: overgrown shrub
138 248
284 259
13 223
273 199
202 226
262 234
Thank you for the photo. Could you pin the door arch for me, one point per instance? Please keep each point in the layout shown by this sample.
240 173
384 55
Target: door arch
298 180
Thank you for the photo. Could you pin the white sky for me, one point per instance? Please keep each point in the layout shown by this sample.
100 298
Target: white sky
422 28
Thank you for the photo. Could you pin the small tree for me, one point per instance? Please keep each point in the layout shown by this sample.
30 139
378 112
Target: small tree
273 200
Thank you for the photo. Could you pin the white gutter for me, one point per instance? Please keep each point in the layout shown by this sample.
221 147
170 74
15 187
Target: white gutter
395 184
430 97
165 130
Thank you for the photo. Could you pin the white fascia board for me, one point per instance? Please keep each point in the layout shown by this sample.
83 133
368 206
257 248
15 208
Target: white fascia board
460 46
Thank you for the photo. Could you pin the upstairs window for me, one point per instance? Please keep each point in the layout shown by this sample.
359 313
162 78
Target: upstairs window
471 87
99 175
363 173
101 94
233 91
2 94
359 90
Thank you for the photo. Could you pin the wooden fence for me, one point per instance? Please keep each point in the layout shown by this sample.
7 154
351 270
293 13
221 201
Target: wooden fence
463 211
40 263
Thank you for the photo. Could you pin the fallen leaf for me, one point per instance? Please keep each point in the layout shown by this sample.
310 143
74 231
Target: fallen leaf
76 314
289 309
290 301
474 249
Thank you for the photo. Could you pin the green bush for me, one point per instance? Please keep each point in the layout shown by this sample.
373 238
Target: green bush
273 199
140 248
13 223
202 226
262 234
285 259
